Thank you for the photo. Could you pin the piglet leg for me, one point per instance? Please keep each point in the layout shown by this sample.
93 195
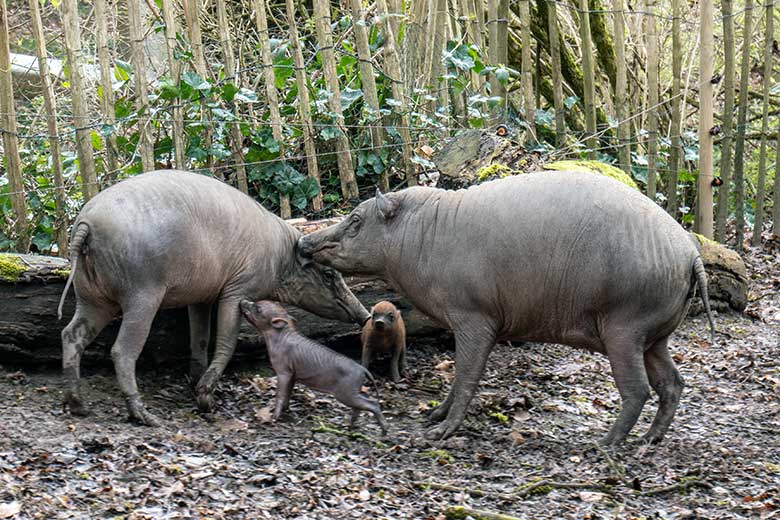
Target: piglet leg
358 402
284 386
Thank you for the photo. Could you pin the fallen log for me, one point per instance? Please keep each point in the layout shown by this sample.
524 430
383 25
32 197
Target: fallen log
31 286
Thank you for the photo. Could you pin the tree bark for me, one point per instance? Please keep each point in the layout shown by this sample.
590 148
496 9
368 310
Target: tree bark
589 81
304 105
557 78
192 16
675 153
706 58
776 190
70 21
174 69
651 42
621 88
758 222
325 41
145 144
600 34
726 149
526 66
739 146
106 87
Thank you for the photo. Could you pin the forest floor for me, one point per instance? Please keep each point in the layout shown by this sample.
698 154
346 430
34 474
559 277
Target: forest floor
528 448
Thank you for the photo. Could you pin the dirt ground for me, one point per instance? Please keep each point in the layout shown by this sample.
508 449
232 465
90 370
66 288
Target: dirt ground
528 448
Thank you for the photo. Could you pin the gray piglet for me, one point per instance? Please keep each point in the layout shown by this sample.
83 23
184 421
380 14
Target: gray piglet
297 358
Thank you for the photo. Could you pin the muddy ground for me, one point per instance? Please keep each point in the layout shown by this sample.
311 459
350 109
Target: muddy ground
528 448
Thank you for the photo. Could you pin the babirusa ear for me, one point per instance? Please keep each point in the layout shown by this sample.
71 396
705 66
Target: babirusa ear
279 323
387 207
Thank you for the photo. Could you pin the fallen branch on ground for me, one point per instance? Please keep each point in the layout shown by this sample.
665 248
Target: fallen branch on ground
460 512
685 484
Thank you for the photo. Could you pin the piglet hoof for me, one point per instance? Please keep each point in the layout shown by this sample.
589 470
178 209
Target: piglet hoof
74 404
139 414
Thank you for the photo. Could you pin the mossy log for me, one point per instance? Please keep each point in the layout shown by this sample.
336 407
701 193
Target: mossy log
30 290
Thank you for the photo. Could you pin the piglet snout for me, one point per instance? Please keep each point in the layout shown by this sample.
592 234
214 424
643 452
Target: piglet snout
245 306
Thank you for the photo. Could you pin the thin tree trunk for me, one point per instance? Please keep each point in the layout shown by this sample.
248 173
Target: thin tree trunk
106 88
145 145
270 90
526 67
61 225
367 80
652 99
621 88
70 20
739 146
557 79
437 33
603 42
175 72
13 166
706 59
675 153
304 104
393 62
776 191
588 78
414 43
492 26
758 223
192 16
726 150
325 40
236 138
466 14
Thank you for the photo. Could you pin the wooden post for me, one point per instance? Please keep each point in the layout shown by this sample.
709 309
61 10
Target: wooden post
676 152
739 145
236 138
145 144
174 69
13 166
652 98
367 79
106 88
393 62
349 187
261 18
758 222
61 226
557 79
304 104
70 20
726 149
526 67
621 88
588 78
706 59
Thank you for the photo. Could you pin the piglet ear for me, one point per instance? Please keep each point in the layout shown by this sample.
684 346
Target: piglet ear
279 323
387 207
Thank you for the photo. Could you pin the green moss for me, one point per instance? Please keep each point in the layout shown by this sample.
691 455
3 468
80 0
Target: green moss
11 268
494 171
441 456
499 417
704 240
62 272
597 167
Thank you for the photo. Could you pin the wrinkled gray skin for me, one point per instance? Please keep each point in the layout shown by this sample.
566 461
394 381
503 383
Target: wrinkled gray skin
558 257
169 239
296 358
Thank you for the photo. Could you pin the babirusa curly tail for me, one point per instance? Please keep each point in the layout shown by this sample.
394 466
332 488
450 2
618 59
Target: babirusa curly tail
701 281
76 246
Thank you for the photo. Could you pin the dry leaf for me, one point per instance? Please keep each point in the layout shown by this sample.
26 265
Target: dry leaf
521 416
10 509
517 437
445 365
265 415
592 496
236 425
364 495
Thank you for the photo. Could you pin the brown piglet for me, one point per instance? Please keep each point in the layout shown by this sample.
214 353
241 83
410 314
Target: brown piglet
296 358
385 333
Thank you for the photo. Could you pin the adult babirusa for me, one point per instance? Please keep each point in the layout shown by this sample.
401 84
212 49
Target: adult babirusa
172 239
560 257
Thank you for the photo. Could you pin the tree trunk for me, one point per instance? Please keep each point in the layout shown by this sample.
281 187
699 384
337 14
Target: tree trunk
758 223
675 153
325 40
726 162
739 147
776 190
621 89
192 15
706 58
600 35
106 88
393 62
526 66
174 69
304 105
557 79
61 225
145 144
70 21
651 42
589 81
236 137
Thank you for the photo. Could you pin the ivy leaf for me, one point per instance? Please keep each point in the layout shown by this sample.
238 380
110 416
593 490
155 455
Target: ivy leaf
122 70
168 89
349 96
502 75
246 95
195 81
570 101
229 92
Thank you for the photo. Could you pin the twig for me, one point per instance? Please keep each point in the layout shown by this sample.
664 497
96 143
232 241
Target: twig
457 512
324 428
473 492
619 472
685 484
529 489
